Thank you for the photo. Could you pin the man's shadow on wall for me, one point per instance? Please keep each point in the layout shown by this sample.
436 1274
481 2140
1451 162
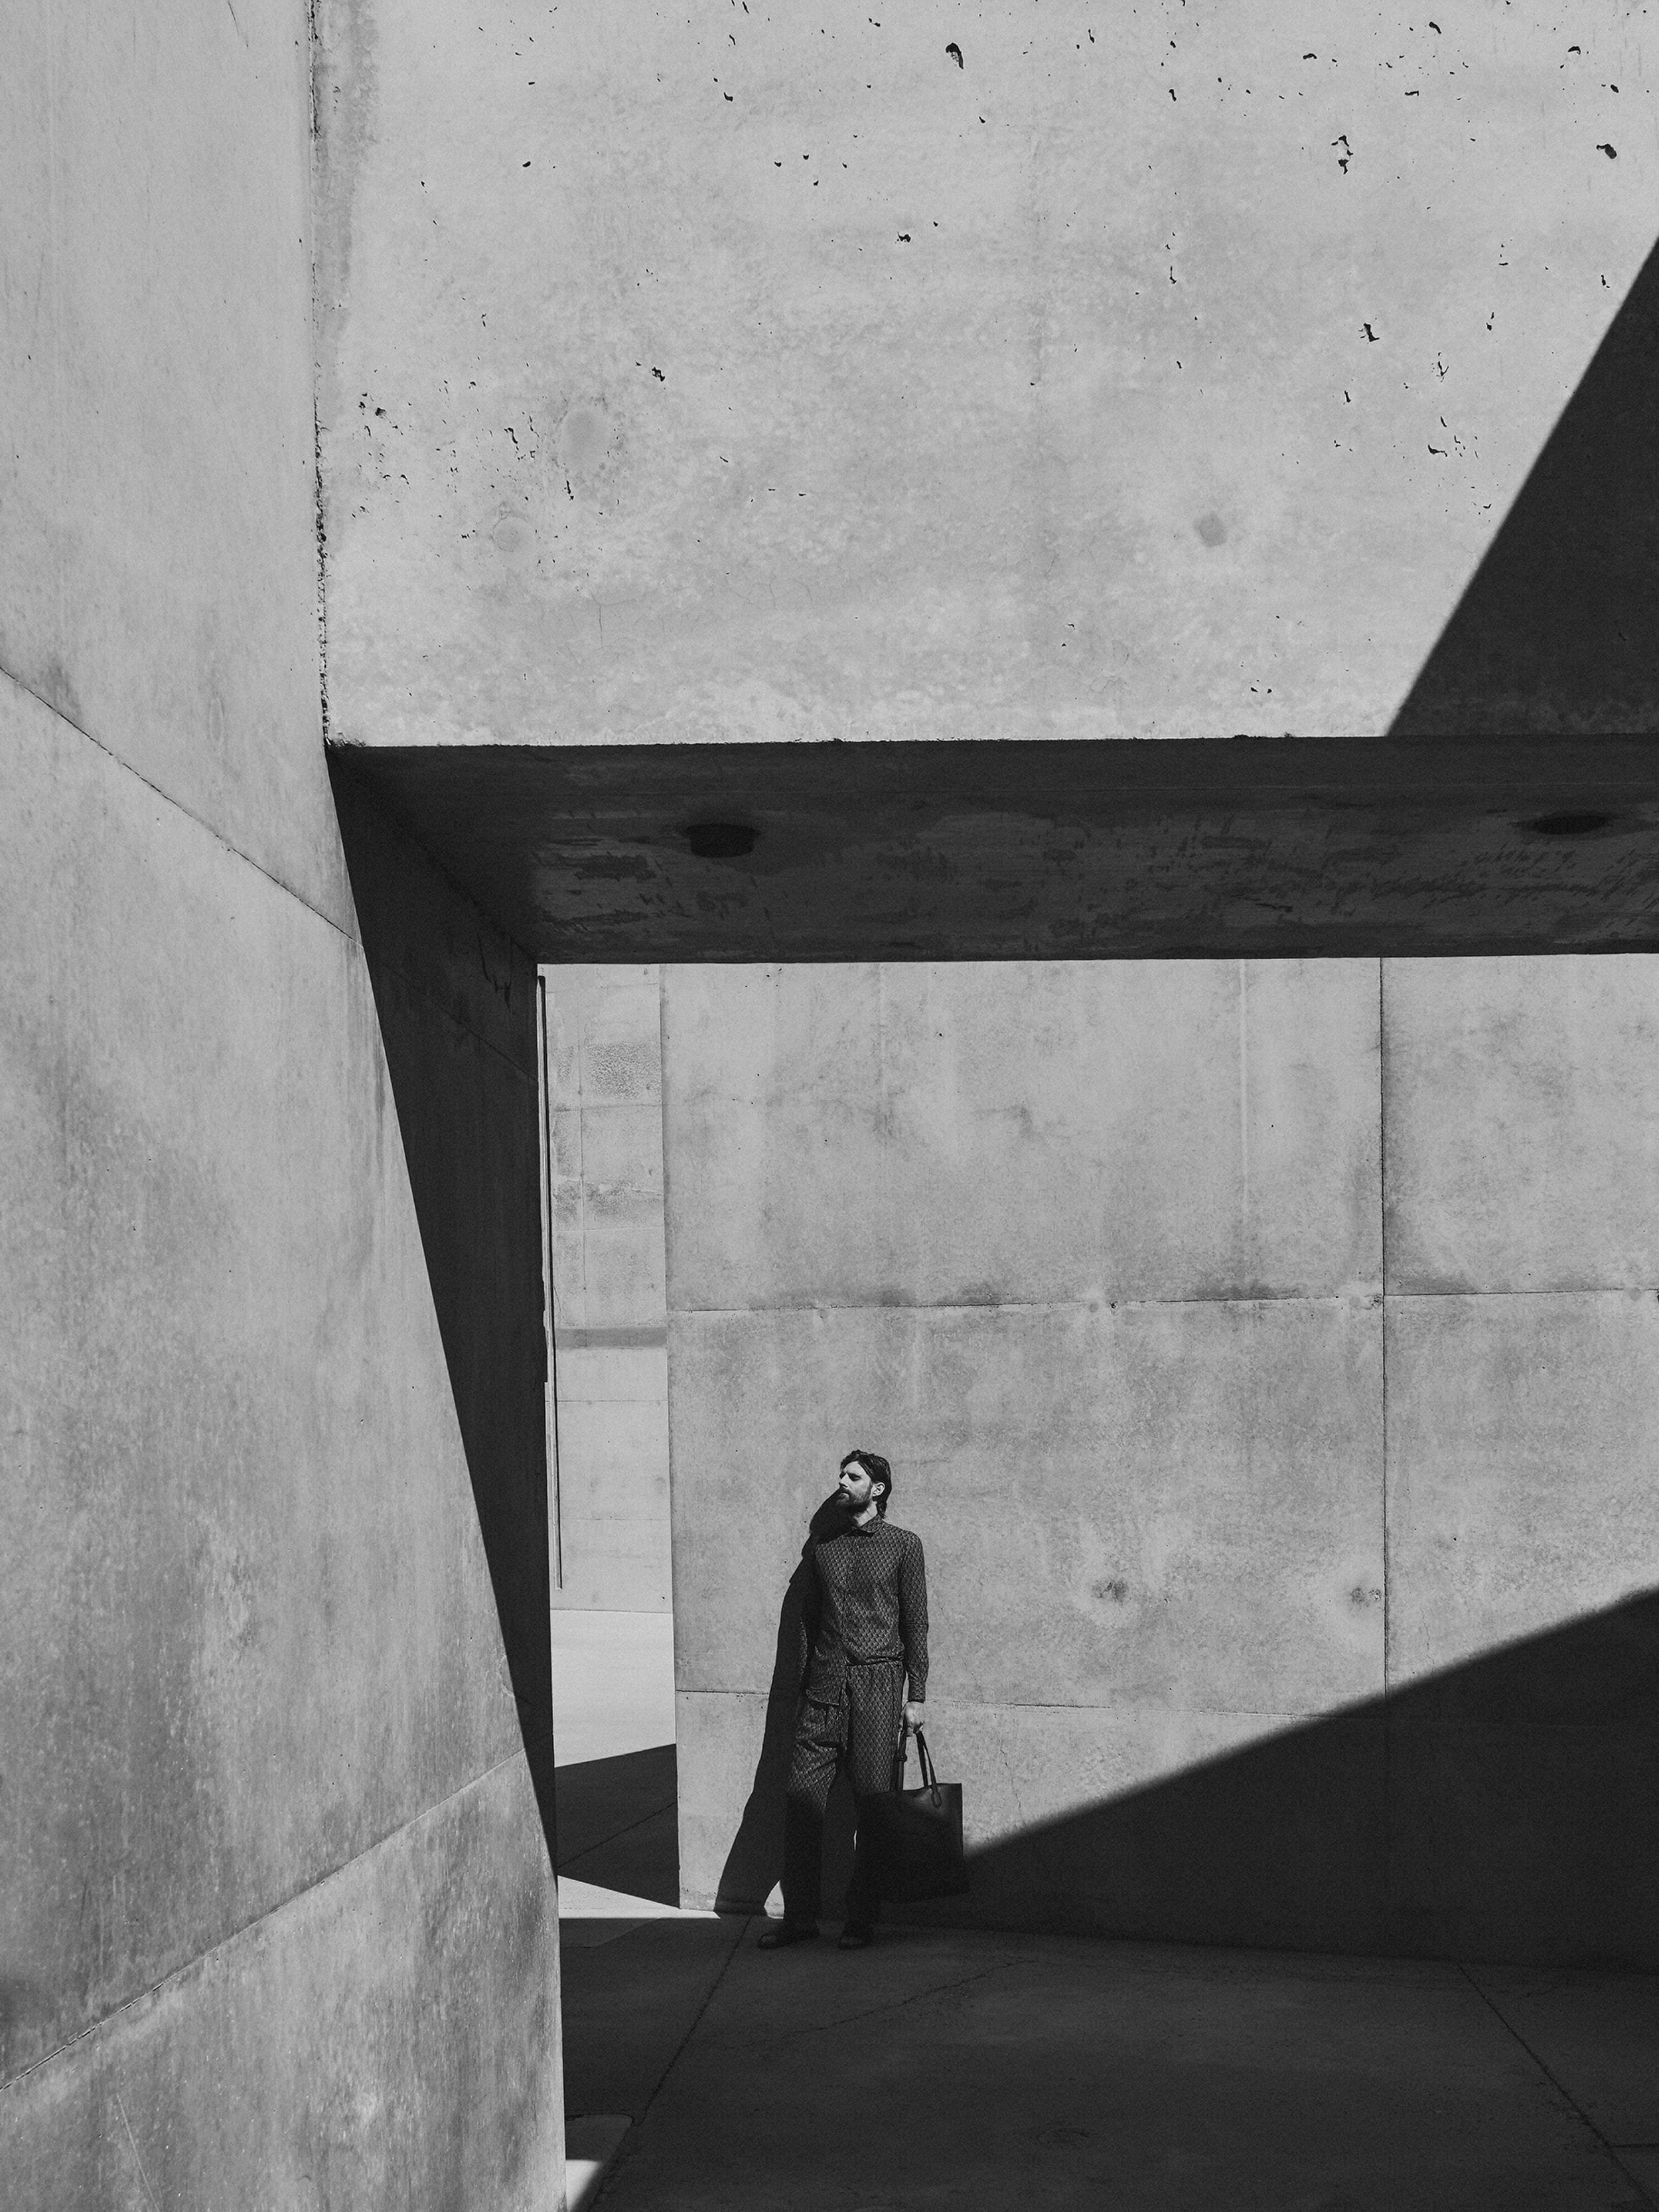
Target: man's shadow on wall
755 1862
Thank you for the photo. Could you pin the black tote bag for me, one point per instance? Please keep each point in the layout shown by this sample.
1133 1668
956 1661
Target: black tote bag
916 1835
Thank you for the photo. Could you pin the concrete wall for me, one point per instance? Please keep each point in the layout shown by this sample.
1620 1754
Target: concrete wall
698 375
277 1925
1288 1544
605 1089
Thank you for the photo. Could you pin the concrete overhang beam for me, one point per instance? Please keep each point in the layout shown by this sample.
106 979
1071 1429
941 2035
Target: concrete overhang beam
1042 850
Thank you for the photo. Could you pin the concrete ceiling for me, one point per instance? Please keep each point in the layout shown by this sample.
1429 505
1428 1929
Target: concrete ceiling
1059 850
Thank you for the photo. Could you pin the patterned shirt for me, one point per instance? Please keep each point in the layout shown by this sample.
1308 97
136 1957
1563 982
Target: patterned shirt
868 1600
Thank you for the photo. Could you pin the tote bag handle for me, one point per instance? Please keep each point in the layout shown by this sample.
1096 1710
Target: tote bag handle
925 1761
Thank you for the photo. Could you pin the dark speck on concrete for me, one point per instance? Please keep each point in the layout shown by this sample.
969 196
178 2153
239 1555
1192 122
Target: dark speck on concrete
955 52
1609 151
1570 821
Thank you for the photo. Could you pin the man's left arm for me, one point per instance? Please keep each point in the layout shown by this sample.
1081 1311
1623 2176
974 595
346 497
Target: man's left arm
913 1625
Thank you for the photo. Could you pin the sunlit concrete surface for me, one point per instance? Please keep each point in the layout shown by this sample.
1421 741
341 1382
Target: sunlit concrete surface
613 1677
613 1684
707 374
592 380
994 2071
603 1061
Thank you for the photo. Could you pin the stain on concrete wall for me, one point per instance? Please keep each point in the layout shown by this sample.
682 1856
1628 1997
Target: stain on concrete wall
1268 1608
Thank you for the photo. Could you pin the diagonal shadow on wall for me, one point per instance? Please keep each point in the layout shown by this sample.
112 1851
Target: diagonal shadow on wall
1556 632
456 1002
1506 1809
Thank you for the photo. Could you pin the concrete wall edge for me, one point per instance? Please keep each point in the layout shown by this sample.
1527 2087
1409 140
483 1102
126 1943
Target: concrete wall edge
178 806
154 1991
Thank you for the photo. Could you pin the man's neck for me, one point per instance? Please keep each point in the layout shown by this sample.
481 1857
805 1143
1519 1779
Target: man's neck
863 1520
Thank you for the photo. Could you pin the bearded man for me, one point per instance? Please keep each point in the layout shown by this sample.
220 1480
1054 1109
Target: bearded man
865 1632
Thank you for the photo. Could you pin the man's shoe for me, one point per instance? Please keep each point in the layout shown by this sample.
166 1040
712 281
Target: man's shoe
786 1932
854 1939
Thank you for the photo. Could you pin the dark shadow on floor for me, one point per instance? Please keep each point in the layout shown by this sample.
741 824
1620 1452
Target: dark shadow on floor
1505 1810
455 999
619 1823
628 2005
1555 633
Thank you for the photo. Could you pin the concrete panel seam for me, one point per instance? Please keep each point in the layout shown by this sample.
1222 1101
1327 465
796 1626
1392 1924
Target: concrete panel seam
844 2021
1560 2088
1567 1291
1363 1299
154 1990
178 806
713 1989
1292 1716
1382 1269
1383 1263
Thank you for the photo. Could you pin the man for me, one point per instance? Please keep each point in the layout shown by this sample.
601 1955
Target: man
865 1629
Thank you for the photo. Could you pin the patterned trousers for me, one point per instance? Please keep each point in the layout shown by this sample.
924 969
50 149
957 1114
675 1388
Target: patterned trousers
860 1733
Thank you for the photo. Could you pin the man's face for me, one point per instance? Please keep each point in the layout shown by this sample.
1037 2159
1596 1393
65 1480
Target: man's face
856 1487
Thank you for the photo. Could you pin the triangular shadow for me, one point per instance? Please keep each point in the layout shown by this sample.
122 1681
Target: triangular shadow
1506 1809
1556 634
455 999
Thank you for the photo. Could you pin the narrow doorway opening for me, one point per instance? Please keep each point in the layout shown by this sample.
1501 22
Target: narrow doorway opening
600 1051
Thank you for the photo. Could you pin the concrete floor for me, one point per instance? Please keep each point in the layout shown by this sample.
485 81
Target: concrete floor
942 2069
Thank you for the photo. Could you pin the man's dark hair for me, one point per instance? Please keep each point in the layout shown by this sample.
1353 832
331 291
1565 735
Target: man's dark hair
878 1471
